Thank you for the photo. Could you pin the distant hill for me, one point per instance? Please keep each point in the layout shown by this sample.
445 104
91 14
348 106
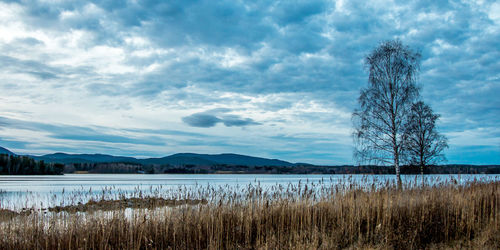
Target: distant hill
235 159
5 151
84 158
175 160
178 160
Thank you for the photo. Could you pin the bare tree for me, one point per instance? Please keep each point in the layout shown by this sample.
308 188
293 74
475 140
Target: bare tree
380 121
425 145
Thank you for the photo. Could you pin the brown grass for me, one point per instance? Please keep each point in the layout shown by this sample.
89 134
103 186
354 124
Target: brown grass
446 216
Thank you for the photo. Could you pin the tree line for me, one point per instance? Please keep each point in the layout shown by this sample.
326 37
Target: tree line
124 168
24 165
104 168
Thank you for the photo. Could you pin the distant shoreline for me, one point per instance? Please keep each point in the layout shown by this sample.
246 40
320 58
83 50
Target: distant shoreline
116 168
111 168
25 165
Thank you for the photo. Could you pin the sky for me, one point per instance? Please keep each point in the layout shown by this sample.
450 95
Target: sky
276 79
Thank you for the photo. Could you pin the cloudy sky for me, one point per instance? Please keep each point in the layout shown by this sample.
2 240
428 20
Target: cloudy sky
275 79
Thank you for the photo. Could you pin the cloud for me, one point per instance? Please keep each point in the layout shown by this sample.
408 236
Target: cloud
30 67
207 119
76 133
201 120
236 121
113 68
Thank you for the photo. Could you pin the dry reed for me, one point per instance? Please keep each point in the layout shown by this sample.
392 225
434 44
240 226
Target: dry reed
304 216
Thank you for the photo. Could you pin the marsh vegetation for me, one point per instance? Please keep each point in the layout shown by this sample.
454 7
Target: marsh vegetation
346 214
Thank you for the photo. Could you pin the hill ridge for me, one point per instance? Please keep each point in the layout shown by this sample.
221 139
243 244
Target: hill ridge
6 151
177 159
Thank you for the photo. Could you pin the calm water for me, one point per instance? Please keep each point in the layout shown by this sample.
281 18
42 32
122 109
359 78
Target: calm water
41 191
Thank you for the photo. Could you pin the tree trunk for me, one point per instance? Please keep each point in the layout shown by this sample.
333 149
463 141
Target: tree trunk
422 164
422 173
398 174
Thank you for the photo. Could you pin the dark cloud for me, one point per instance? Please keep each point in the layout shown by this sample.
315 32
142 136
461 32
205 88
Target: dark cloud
201 120
236 121
294 12
207 119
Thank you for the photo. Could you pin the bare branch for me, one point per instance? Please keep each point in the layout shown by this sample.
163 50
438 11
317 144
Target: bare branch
380 122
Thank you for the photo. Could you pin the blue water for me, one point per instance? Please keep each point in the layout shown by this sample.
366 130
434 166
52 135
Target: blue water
41 191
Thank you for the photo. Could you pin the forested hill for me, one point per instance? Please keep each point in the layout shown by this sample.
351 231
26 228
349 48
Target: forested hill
174 160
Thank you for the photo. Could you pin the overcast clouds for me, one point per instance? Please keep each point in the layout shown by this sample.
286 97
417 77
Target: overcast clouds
264 78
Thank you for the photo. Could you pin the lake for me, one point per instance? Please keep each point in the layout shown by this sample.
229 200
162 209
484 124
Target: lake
44 191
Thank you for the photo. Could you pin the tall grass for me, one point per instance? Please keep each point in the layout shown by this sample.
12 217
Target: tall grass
303 216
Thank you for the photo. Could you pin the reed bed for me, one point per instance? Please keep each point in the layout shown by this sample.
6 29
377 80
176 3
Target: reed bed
303 216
